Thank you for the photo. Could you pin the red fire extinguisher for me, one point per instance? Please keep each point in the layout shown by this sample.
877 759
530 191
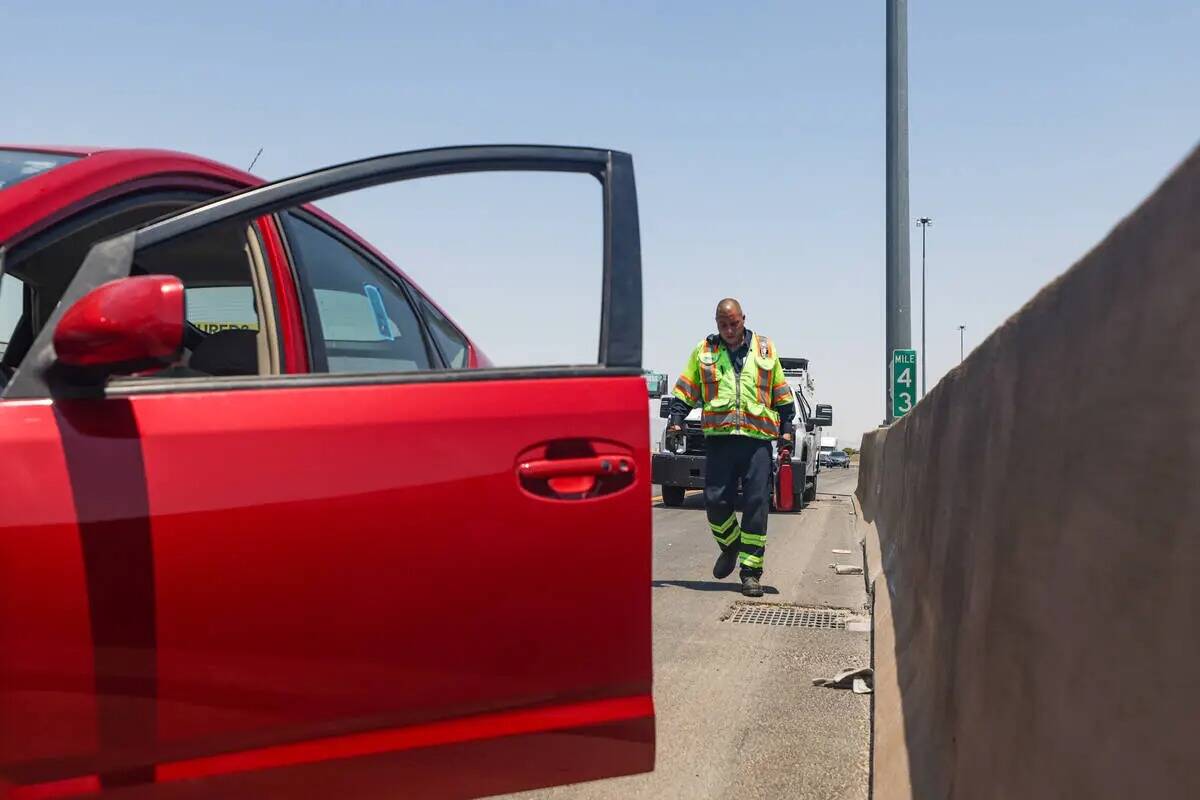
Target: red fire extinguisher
783 477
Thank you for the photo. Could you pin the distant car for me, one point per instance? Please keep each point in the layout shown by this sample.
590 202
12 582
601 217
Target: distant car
838 458
262 500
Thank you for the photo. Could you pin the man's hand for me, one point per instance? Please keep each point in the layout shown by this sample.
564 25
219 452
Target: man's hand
675 428
787 437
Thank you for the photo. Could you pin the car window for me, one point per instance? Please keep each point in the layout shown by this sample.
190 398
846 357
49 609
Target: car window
20 165
47 263
220 308
451 343
11 293
359 316
229 300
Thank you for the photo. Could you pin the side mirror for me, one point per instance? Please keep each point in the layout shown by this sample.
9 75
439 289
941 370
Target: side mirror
823 416
122 327
664 406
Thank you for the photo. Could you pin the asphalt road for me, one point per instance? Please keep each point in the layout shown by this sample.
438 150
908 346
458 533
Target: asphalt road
738 716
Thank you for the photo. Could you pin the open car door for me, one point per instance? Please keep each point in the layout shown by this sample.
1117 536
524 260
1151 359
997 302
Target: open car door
342 607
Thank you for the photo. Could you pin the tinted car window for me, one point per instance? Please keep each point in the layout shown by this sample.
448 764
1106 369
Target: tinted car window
19 165
11 305
450 342
360 315
218 308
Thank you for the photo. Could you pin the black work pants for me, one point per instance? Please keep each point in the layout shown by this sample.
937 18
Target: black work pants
728 459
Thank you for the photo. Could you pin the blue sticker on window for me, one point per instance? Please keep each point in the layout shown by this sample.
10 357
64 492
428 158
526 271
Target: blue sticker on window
382 323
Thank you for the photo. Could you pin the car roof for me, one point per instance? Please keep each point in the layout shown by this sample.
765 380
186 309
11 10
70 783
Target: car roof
35 202
31 204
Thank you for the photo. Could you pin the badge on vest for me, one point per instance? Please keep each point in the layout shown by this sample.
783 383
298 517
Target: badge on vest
764 348
708 358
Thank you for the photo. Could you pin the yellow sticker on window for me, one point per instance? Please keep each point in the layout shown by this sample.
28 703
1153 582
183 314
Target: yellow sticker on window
213 327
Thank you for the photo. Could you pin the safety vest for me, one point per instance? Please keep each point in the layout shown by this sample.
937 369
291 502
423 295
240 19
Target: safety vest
735 405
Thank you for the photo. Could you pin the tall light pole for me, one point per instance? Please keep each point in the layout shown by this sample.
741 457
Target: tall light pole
898 298
961 328
924 222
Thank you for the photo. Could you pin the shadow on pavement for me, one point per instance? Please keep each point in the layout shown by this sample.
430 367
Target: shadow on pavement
709 586
693 502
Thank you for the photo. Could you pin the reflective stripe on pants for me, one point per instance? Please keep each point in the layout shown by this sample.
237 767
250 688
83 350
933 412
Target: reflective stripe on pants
728 459
727 532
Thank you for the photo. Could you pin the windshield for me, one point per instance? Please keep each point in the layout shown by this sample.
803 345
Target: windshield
17 165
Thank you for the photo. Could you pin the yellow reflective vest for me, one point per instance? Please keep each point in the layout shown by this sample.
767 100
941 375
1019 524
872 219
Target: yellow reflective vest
735 405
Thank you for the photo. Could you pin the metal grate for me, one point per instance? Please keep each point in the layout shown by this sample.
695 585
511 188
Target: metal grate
829 619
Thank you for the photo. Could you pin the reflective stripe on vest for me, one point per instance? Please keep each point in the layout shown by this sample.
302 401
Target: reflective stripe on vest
734 419
764 425
764 386
708 371
689 390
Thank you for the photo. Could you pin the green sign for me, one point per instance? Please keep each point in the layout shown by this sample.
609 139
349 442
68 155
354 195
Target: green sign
904 381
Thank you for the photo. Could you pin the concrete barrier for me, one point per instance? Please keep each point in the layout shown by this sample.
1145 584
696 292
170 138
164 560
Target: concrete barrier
1034 537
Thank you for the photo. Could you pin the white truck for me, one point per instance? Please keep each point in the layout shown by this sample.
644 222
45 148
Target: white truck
656 387
682 468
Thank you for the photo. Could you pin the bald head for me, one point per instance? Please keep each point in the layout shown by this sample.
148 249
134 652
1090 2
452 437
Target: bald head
731 322
729 306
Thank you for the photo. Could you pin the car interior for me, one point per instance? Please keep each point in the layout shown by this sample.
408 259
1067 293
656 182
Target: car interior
228 256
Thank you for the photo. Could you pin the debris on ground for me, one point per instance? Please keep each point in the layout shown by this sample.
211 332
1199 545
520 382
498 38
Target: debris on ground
847 569
859 679
840 552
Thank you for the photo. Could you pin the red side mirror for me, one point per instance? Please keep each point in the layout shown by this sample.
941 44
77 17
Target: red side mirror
124 326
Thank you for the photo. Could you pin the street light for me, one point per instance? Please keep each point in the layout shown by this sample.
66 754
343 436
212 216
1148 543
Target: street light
897 297
923 222
961 328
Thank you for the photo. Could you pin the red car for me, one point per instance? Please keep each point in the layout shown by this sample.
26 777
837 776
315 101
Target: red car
243 550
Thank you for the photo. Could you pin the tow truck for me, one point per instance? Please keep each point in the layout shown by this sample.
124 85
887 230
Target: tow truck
656 387
679 463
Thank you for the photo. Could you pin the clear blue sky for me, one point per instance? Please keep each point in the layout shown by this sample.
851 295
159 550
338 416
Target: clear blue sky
756 129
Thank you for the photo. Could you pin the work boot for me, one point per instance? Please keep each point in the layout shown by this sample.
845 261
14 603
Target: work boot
725 563
751 587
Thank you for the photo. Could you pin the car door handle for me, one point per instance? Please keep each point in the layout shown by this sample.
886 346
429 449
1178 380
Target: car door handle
576 478
576 467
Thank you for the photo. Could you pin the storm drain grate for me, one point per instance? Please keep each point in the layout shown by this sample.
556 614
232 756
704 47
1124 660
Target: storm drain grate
829 619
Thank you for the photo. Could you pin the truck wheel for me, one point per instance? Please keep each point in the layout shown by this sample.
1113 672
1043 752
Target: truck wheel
810 491
673 496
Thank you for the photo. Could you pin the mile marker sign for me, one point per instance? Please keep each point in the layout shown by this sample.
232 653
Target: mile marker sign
904 381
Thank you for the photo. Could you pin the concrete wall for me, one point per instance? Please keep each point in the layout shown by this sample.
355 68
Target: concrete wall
1034 536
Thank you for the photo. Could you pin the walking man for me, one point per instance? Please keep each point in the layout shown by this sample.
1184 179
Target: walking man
736 376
